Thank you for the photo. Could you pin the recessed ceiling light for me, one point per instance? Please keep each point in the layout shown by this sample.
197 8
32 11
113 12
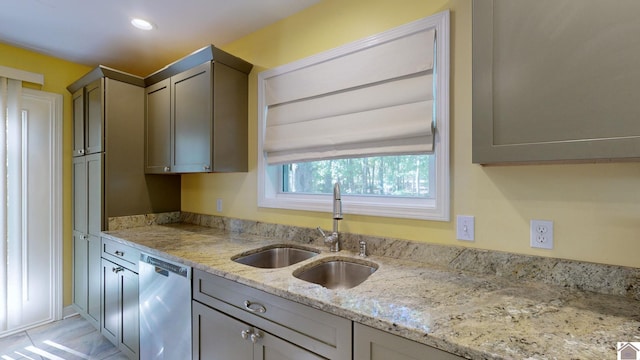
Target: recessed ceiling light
142 24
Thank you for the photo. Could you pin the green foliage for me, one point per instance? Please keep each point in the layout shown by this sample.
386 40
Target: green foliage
403 175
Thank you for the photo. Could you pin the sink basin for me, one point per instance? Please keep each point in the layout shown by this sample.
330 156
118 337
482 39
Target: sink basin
275 256
337 274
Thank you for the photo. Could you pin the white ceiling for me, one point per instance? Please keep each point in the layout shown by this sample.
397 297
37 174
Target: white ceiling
93 32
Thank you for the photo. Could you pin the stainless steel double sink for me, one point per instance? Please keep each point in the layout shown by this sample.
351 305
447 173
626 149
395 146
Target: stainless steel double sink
332 273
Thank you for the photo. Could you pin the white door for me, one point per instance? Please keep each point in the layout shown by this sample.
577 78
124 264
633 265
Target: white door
33 286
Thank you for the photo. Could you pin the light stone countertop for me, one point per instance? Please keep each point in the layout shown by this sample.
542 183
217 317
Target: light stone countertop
474 316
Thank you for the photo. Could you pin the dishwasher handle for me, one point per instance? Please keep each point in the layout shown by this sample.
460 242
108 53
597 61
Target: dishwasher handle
163 267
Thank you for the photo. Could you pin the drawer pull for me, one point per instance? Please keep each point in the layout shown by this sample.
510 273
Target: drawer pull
119 253
254 307
117 269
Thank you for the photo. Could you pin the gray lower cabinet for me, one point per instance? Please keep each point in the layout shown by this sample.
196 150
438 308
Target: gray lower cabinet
120 314
374 344
221 337
87 224
234 321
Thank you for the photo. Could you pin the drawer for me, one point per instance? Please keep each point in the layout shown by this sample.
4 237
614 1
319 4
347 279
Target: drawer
318 331
120 254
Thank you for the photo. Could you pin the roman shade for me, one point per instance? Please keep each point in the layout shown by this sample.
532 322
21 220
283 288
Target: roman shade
377 100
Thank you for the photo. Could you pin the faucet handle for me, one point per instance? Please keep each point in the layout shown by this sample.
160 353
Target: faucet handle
321 232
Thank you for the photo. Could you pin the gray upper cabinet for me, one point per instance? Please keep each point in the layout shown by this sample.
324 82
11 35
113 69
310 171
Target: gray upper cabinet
78 122
158 128
110 104
555 81
192 126
374 344
196 115
88 118
94 120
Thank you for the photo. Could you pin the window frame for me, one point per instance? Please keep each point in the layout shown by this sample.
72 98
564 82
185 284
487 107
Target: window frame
438 209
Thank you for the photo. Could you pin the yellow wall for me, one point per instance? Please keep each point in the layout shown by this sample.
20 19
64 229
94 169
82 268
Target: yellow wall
57 75
595 207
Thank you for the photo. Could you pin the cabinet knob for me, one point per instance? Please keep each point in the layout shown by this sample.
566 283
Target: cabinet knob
255 337
167 169
245 334
206 167
81 151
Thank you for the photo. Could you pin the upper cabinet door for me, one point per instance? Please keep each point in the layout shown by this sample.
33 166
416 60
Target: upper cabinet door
78 123
191 95
158 128
94 120
555 81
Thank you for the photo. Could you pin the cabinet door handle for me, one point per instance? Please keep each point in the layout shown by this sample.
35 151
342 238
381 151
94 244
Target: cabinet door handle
117 269
255 337
246 334
81 151
119 253
254 307
206 167
167 169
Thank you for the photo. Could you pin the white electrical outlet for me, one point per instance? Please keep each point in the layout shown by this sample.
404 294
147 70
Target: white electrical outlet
465 228
219 205
542 234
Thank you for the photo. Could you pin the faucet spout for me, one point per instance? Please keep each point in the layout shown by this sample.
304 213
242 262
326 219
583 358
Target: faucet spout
337 202
333 240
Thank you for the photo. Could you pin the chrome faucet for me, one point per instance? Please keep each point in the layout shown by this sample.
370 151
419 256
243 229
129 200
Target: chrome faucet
333 240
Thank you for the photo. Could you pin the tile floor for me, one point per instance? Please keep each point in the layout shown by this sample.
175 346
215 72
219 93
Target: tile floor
69 339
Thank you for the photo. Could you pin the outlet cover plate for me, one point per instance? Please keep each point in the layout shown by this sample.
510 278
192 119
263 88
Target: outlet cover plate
465 228
542 234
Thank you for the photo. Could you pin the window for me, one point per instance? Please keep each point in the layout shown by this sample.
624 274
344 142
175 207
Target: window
373 115
397 176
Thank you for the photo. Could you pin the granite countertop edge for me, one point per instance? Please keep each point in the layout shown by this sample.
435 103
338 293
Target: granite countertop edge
470 315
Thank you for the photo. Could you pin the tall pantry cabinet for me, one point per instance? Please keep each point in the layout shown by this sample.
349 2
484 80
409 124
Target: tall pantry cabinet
108 173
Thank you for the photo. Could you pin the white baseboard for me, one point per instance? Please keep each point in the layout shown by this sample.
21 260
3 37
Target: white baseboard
69 311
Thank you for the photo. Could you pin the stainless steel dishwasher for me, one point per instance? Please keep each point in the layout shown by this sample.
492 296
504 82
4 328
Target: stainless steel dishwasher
165 309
